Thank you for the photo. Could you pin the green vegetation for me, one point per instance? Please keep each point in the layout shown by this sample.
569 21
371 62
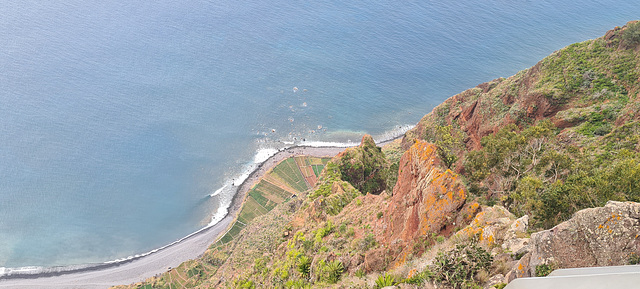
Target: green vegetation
385 280
449 144
631 35
419 278
304 266
330 271
459 266
532 172
633 259
365 167
544 270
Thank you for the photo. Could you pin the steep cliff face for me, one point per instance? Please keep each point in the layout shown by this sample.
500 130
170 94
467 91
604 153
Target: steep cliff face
426 199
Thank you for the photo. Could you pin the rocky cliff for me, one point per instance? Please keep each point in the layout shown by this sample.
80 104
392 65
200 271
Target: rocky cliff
427 200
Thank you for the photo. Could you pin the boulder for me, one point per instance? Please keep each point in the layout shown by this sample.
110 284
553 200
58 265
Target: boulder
496 227
603 236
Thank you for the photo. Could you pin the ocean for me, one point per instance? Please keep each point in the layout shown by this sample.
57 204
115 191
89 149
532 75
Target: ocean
123 123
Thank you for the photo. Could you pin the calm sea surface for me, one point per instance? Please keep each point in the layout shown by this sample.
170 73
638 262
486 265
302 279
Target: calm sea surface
119 120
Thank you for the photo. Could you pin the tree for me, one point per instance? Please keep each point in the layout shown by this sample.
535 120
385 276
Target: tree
631 35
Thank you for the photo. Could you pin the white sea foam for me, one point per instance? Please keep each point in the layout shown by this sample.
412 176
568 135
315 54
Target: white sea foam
220 190
220 213
264 154
312 143
392 134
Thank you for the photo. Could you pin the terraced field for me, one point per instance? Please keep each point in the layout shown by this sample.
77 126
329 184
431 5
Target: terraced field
290 177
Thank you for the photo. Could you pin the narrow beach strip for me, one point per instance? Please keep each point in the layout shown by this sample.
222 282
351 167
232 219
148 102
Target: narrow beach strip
137 269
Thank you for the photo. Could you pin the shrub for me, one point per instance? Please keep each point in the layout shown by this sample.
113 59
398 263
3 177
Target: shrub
368 242
634 259
631 35
448 143
500 286
418 279
323 232
544 269
385 280
297 284
331 271
365 167
459 266
243 284
304 266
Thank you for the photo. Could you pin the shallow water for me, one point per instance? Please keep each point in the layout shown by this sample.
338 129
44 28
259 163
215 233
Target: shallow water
119 120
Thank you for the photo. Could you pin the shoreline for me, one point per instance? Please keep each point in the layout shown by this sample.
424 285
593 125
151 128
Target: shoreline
140 267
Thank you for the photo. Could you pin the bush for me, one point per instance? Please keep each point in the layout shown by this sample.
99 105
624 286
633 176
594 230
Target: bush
304 266
448 143
330 272
243 284
544 270
385 280
634 259
418 279
323 232
365 167
631 35
459 266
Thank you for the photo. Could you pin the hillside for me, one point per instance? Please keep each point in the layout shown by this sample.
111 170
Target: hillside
463 200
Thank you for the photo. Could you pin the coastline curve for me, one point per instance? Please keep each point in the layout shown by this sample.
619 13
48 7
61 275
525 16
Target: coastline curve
139 267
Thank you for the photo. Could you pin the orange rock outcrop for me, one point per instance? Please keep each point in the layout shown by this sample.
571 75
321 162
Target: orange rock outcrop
426 200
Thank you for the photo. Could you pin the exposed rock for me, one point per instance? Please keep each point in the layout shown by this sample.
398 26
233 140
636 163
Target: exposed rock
425 200
520 270
497 227
604 236
494 280
316 212
374 260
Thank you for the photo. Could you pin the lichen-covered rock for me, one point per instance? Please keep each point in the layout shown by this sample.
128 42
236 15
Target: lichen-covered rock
603 236
426 198
497 227
520 270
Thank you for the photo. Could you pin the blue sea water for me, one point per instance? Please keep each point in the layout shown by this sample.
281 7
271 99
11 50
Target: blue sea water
119 119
